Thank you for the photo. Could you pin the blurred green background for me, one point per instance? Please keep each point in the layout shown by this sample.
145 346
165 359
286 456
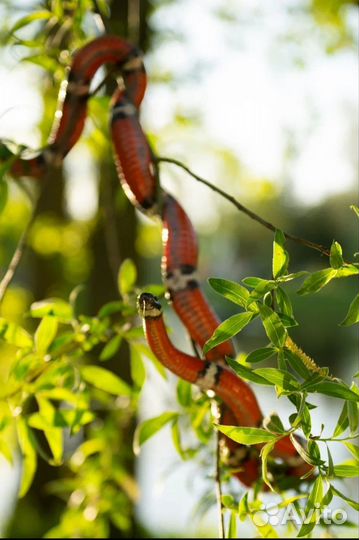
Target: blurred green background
259 99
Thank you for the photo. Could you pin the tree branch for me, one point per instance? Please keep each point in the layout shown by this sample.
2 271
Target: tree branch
308 243
216 414
16 259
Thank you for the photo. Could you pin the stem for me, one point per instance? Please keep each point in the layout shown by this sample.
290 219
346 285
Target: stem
16 258
218 483
329 439
241 208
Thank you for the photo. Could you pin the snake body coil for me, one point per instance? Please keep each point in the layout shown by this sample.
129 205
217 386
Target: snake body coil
139 178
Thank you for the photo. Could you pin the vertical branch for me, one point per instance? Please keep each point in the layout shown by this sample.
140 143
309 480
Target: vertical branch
218 483
219 489
17 256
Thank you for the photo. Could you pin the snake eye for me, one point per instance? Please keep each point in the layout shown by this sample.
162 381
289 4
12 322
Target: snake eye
148 305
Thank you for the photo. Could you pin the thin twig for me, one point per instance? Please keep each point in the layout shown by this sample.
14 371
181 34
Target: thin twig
16 259
219 488
241 208
113 69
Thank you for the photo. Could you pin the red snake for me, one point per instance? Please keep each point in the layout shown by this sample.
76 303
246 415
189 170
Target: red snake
139 177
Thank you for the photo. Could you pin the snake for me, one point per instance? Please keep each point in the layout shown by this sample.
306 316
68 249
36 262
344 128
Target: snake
139 177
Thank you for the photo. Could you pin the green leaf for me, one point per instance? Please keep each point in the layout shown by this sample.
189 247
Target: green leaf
273 423
278 377
260 354
343 422
111 348
232 526
265 451
352 316
150 427
290 277
333 389
246 373
243 507
353 413
42 15
288 322
105 380
145 351
54 435
247 435
313 451
6 451
296 363
110 308
14 335
330 471
314 500
280 255
302 452
52 306
187 454
138 370
349 501
353 449
184 393
273 326
45 334
316 281
254 282
283 301
229 289
3 194
261 290
127 277
336 255
28 451
302 418
347 470
228 501
47 62
355 209
347 270
227 329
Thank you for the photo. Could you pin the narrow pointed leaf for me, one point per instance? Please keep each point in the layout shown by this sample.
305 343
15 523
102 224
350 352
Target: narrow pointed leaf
127 276
260 354
336 255
150 427
284 303
273 326
105 380
14 334
265 451
45 334
353 504
343 421
111 347
352 317
228 329
280 256
247 435
229 289
246 373
28 452
316 281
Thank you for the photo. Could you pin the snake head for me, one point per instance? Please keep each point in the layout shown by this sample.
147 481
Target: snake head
149 306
